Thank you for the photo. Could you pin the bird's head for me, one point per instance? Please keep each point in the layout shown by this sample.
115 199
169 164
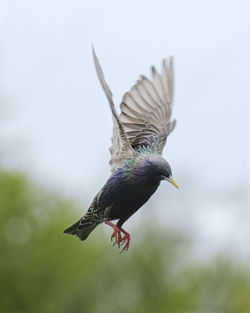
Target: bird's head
162 169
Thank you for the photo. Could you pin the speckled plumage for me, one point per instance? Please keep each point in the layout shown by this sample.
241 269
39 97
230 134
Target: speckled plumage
139 135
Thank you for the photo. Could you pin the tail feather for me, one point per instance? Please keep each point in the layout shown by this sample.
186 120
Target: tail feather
80 229
87 223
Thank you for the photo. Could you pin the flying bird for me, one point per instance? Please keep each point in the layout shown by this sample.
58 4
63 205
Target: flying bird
137 167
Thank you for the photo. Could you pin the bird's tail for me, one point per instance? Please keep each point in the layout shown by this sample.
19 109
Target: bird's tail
83 227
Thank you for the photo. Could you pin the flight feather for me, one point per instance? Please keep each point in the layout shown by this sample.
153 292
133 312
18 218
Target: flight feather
146 109
145 118
121 148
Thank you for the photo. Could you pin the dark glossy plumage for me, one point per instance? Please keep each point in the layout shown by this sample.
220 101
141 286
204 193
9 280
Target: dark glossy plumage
139 136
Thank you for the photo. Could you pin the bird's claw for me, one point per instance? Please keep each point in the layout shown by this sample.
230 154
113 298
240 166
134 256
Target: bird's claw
122 241
125 240
118 239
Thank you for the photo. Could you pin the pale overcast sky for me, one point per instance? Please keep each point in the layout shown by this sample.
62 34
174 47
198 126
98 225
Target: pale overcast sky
56 122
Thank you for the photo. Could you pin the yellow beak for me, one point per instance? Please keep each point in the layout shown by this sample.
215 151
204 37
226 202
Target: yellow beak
171 180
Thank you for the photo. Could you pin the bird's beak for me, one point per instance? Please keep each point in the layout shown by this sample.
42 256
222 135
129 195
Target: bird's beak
171 180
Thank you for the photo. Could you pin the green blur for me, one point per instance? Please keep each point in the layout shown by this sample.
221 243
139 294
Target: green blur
43 270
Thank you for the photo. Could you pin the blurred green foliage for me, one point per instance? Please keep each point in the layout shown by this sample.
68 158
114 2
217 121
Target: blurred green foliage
44 271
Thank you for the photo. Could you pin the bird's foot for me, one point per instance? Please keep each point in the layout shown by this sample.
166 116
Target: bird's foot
116 234
119 240
125 240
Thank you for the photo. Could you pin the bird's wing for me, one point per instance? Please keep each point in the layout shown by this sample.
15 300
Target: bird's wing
146 109
121 148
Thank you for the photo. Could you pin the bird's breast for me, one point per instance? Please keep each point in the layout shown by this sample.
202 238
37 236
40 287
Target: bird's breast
125 194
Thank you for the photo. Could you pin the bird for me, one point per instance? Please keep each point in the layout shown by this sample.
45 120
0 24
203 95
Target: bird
140 132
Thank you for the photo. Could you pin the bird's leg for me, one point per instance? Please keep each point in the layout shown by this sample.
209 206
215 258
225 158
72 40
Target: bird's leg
125 239
116 234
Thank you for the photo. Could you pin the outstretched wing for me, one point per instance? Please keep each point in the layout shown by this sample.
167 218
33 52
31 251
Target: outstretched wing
121 148
146 109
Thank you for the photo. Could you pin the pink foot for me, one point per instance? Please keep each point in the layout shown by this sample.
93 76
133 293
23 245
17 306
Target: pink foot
125 240
119 240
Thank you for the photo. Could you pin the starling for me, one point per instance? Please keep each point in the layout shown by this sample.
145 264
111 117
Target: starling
139 135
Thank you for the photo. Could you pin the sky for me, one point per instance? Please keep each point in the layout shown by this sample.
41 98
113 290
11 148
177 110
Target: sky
55 119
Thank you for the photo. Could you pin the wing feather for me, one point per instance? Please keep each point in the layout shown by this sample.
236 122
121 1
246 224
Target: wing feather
145 118
146 109
121 148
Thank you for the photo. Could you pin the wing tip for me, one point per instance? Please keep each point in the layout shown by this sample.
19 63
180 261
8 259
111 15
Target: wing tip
153 70
167 63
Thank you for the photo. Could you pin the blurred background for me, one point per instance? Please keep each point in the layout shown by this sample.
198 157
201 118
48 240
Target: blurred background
190 247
